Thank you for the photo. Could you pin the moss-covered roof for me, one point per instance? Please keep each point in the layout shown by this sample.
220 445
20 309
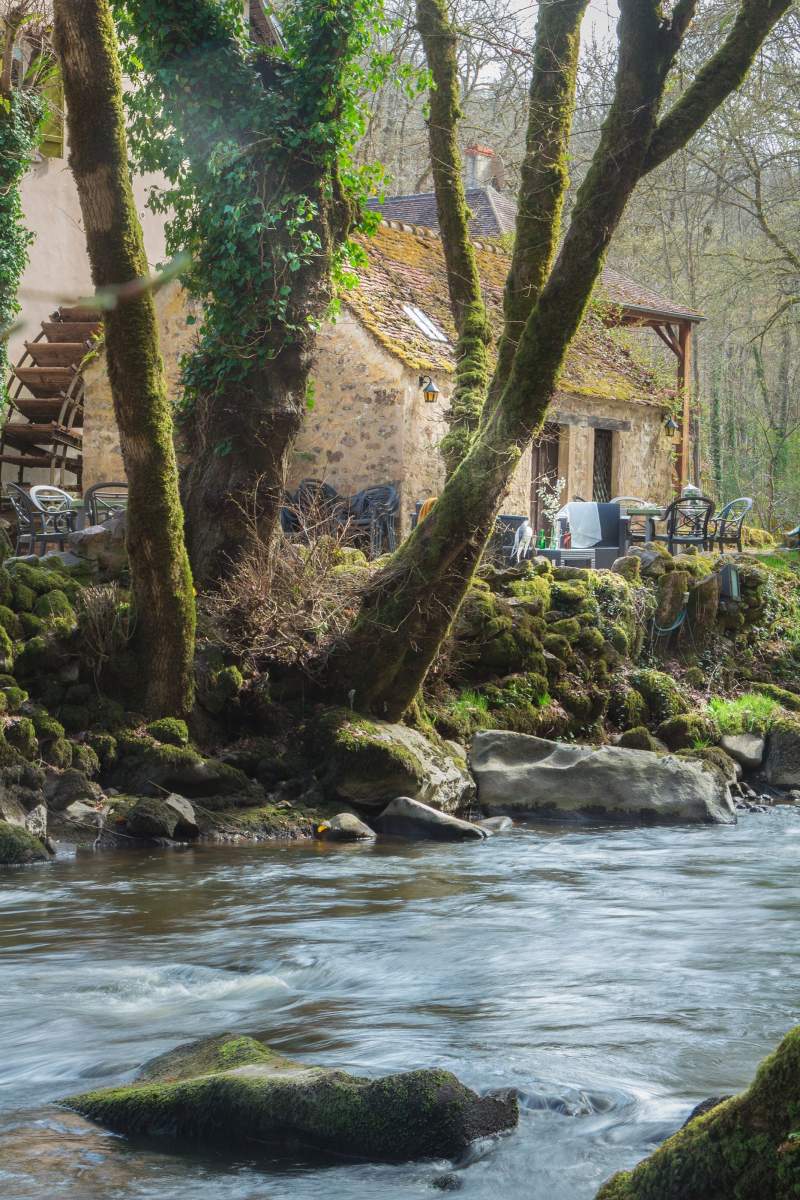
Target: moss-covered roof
407 268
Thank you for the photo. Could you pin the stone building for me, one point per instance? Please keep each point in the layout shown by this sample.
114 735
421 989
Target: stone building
370 422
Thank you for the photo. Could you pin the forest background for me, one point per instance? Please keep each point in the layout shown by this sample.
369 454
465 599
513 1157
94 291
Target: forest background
717 227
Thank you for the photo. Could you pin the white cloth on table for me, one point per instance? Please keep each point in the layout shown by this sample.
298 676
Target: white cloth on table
583 519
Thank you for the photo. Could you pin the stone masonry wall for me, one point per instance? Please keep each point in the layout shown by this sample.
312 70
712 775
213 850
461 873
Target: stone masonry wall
370 424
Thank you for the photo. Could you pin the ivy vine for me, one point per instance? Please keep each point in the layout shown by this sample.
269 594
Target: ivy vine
256 144
21 117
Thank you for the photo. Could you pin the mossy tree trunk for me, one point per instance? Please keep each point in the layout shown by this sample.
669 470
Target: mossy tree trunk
162 581
466 300
252 154
410 605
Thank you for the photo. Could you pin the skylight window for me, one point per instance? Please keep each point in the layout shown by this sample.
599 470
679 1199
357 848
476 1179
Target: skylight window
423 322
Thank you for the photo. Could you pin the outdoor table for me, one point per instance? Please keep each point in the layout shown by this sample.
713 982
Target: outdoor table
652 513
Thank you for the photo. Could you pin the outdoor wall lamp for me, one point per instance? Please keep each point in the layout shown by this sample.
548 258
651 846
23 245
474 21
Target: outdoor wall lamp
429 389
671 425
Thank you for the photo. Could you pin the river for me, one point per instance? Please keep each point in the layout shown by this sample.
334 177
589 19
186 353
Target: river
614 976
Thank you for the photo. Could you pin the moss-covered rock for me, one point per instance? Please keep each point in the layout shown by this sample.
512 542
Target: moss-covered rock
22 598
787 699
104 746
85 759
627 708
640 738
146 767
567 596
221 688
47 727
747 1148
52 605
688 729
629 567
15 698
170 731
369 762
662 695
672 596
534 590
715 759
6 651
22 736
18 847
555 644
58 753
493 638
11 623
237 1091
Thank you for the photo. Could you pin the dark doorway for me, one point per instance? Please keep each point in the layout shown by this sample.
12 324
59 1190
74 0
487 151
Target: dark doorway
601 475
544 470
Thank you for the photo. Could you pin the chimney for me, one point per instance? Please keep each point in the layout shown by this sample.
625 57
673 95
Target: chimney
483 167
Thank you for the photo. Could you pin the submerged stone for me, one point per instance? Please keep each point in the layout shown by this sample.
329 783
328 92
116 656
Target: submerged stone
235 1091
407 818
745 1148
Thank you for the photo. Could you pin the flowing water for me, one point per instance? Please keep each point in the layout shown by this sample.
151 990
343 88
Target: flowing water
614 976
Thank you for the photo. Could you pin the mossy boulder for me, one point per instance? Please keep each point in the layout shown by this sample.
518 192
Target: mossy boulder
627 708
534 590
47 727
688 729
629 567
6 650
221 688
662 695
157 816
747 1148
146 767
58 753
170 731
492 637
785 698
672 592
22 736
86 759
15 698
18 847
567 596
640 738
11 623
369 762
235 1091
104 746
54 604
23 598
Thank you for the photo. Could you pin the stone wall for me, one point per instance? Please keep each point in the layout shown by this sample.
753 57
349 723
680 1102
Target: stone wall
370 424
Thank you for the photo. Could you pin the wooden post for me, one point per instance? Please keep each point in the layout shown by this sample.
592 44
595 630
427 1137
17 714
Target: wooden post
684 388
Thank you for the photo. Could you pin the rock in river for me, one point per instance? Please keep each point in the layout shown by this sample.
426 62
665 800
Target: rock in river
783 754
235 1091
518 774
408 818
745 1148
19 847
344 827
745 748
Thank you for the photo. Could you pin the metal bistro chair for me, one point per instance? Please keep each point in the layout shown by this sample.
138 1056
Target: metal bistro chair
727 523
102 500
37 526
687 523
637 526
373 512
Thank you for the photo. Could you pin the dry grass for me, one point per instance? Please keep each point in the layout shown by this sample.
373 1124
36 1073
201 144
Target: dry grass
290 601
106 623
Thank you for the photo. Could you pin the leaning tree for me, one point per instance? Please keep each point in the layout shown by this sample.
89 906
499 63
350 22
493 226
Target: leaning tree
411 602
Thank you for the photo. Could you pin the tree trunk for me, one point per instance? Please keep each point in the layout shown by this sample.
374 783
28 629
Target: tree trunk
409 608
162 582
257 137
466 300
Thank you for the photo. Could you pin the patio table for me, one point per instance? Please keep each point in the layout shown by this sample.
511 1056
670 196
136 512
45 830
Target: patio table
652 514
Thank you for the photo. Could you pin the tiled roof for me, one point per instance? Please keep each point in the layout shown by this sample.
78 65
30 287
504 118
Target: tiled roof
407 268
494 214
629 294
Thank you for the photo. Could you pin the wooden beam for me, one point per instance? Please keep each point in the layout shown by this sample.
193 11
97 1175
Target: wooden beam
684 390
587 422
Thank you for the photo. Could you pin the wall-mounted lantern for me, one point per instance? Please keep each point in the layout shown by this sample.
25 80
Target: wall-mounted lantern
671 425
429 389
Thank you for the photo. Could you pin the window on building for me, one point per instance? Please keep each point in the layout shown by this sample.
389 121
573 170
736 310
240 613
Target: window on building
424 323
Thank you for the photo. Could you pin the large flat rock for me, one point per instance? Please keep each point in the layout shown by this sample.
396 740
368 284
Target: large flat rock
518 774
236 1092
407 818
